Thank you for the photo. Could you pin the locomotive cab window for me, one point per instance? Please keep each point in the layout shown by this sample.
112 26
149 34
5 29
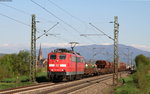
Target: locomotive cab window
62 57
53 57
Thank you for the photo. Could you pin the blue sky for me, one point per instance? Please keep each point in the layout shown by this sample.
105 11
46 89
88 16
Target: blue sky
133 17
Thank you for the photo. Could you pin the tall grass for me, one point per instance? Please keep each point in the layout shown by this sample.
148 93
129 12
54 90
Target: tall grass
138 83
129 87
4 73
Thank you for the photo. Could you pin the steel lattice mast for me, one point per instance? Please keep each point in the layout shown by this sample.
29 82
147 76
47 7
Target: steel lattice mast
33 50
116 54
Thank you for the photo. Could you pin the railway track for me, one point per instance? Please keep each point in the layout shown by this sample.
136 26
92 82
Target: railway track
25 88
58 88
76 86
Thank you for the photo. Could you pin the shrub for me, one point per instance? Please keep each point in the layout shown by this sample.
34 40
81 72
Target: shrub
14 64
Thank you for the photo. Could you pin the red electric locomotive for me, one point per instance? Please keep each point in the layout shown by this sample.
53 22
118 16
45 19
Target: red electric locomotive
63 63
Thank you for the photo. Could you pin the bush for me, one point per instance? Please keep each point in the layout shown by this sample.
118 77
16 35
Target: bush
4 72
137 83
143 66
129 87
12 65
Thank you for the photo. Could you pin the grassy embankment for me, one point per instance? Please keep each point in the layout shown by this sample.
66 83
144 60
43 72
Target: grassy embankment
15 70
139 82
21 81
130 86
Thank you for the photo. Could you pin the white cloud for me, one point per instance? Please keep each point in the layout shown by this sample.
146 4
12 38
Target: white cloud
135 0
4 45
46 45
105 44
14 48
142 47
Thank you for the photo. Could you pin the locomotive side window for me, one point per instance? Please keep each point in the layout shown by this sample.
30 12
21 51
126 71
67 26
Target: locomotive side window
78 59
62 57
53 57
82 60
73 59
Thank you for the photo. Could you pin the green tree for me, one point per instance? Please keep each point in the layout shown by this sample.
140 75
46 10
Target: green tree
14 64
143 66
141 60
23 62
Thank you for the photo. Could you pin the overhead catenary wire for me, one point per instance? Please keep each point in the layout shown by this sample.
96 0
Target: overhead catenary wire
15 20
55 16
47 31
68 31
70 15
66 11
101 31
27 13
91 35
21 11
75 37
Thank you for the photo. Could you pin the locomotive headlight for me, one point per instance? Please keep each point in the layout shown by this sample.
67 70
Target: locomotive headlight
62 65
51 65
63 69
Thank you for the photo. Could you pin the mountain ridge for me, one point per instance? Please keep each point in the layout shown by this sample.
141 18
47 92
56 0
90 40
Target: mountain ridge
105 52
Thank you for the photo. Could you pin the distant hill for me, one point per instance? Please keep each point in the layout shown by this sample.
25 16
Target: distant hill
95 52
2 54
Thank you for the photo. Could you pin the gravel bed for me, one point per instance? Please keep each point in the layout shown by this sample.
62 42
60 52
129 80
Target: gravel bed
104 87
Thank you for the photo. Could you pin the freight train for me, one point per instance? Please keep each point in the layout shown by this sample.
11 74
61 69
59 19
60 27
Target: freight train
66 64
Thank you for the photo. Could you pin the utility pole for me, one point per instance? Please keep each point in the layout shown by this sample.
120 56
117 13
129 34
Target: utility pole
128 55
132 68
116 55
33 51
33 47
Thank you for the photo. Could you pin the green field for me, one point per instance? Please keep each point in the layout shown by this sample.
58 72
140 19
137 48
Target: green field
13 85
21 81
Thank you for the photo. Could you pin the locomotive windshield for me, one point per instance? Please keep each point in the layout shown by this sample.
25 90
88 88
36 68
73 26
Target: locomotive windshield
62 57
53 57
